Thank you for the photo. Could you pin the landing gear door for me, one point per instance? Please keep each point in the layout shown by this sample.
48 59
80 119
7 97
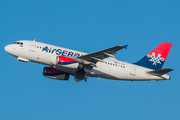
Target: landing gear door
32 46
133 70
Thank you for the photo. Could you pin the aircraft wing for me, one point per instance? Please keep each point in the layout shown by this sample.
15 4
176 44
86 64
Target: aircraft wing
100 55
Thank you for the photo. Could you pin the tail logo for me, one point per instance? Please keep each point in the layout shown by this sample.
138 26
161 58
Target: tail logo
155 60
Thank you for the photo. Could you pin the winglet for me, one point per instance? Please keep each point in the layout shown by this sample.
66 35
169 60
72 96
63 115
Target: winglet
125 46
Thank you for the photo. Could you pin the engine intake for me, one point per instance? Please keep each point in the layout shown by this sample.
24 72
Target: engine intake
66 62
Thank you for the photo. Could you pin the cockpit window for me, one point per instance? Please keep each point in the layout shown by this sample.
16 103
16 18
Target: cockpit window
19 43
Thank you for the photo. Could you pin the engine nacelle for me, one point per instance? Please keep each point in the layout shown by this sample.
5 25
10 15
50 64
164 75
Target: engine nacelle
79 75
55 74
66 62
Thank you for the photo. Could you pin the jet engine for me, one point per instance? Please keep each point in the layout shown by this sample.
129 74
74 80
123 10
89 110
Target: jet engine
66 62
55 74
79 75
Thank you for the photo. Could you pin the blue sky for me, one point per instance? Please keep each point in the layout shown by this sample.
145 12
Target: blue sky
89 26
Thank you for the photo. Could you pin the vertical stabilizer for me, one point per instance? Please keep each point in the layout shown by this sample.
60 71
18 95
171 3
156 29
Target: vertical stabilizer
156 58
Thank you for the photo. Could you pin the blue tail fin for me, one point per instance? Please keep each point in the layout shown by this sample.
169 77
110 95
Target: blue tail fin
156 58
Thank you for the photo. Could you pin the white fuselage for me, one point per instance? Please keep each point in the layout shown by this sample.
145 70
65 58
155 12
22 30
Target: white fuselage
109 68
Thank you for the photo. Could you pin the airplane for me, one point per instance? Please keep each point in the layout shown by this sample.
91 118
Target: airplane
62 62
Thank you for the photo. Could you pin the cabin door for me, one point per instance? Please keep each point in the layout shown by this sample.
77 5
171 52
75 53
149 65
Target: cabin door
32 46
133 70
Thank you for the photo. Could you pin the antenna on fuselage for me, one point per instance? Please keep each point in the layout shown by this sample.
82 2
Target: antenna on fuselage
34 40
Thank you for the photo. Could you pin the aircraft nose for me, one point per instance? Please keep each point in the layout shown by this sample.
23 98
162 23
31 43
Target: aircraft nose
7 48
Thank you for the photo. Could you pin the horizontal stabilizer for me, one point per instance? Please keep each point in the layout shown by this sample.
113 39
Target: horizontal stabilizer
160 72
